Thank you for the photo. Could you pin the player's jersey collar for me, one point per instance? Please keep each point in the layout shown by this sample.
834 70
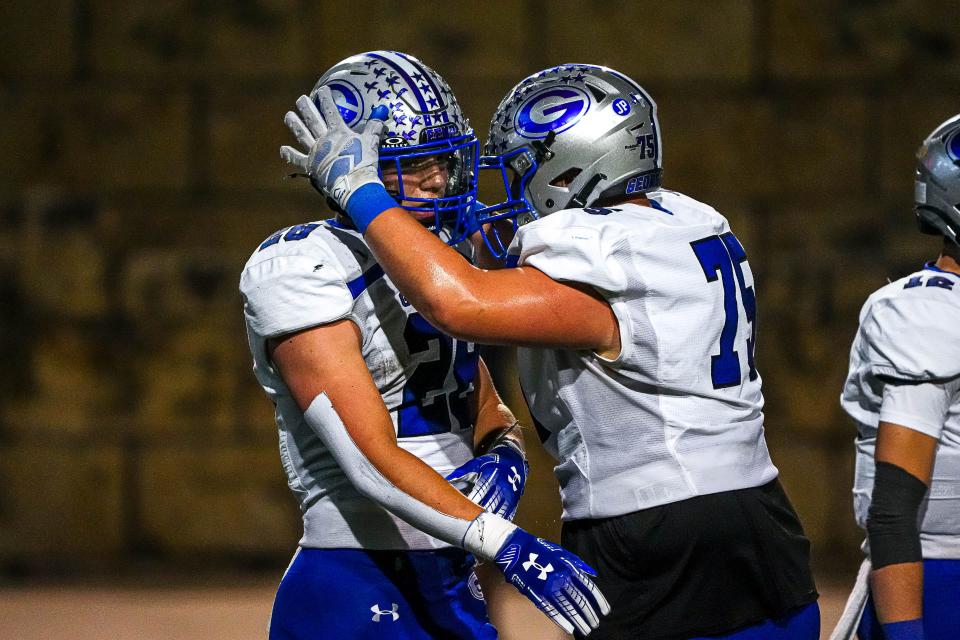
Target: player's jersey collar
930 266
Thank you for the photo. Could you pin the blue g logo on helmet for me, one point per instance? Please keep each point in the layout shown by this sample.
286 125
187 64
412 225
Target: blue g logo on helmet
349 101
952 144
555 109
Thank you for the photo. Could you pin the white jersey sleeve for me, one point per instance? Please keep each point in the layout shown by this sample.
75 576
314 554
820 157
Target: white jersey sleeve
910 337
575 246
285 293
569 251
922 406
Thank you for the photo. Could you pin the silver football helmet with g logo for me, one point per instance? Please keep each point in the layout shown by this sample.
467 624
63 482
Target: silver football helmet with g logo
425 122
937 186
571 136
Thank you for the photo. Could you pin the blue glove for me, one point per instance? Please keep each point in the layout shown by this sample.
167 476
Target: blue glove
554 579
495 480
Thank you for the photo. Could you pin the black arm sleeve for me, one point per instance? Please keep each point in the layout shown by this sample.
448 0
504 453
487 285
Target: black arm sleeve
892 518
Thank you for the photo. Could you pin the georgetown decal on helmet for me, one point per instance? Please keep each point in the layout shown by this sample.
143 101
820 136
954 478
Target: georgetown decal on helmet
554 110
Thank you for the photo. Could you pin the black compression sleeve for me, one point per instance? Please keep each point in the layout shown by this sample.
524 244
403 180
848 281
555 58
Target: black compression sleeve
892 518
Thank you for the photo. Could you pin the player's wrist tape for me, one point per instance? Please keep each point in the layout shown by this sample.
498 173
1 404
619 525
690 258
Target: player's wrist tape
511 446
486 535
892 518
368 202
496 437
905 630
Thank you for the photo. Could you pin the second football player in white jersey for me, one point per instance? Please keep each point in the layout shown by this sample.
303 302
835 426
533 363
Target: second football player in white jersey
636 312
903 390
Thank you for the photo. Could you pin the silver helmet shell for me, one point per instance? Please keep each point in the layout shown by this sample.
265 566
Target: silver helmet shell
424 120
591 132
937 186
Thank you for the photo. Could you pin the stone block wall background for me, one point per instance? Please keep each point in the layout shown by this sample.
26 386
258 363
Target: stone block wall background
139 168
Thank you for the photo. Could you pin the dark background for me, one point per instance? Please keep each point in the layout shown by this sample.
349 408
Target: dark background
140 167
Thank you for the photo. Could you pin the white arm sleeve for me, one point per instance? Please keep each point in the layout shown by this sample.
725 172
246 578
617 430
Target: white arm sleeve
482 537
920 407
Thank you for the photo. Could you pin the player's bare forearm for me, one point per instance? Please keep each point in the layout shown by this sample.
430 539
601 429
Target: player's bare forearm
429 273
898 591
521 306
898 588
414 477
910 450
492 416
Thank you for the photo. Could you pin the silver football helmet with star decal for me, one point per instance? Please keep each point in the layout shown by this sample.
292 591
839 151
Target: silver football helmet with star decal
569 136
937 186
425 124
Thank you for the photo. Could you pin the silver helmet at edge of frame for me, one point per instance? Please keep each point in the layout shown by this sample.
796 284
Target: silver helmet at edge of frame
937 184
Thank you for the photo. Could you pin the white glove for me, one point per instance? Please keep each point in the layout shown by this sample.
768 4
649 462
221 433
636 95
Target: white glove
339 160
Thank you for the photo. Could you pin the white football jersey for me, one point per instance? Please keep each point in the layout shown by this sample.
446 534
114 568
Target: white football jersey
679 412
314 274
905 370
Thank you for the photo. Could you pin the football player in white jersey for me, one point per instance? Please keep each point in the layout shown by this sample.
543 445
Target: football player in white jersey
375 406
903 390
635 311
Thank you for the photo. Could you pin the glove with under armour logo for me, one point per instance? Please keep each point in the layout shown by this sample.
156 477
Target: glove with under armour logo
341 162
555 580
495 480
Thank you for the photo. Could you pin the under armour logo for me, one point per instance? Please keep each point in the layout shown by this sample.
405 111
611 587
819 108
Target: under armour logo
392 612
532 562
514 479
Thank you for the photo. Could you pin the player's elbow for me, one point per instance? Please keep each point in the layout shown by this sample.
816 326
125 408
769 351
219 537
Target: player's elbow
454 314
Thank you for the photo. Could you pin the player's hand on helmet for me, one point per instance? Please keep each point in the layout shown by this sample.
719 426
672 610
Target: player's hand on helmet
337 159
554 579
495 480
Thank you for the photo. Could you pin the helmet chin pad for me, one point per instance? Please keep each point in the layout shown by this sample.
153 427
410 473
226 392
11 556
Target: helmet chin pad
931 222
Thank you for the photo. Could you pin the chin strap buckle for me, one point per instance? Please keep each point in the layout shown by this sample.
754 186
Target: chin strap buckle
580 199
542 148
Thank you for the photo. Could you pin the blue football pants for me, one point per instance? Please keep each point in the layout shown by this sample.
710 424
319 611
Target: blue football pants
941 604
358 594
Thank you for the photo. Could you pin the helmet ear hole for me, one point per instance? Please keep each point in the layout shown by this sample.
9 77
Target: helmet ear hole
598 94
565 178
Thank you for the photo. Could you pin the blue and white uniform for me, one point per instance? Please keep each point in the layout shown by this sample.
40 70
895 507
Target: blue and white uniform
679 412
314 274
667 485
905 370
